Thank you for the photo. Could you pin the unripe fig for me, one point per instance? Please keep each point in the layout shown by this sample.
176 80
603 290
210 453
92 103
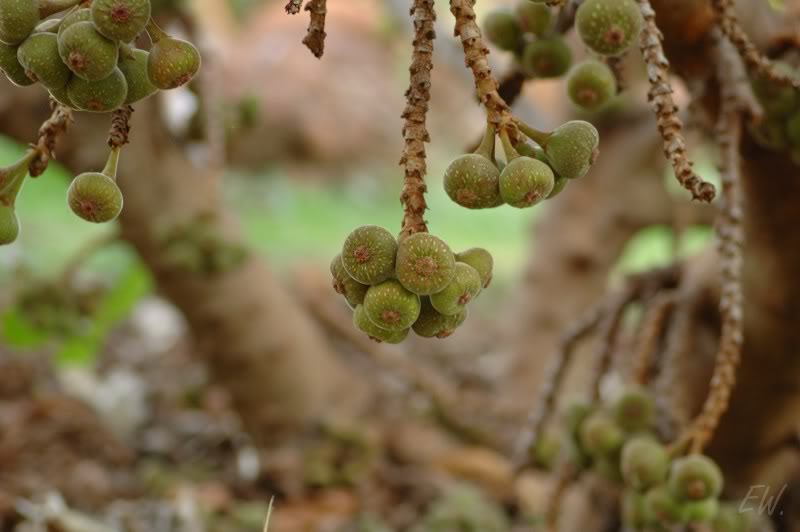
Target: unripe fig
502 28
661 508
369 254
609 27
635 410
777 99
62 96
701 511
81 15
573 148
533 18
88 54
645 463
10 66
547 58
546 449
464 287
558 187
363 324
695 477
600 436
39 56
390 306
48 26
591 85
432 323
525 182
352 290
18 18
95 196
574 414
472 181
730 519
634 515
425 264
134 68
9 224
172 62
481 260
98 96
120 20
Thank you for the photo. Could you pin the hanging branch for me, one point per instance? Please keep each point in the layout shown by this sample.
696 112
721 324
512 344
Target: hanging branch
660 97
674 412
653 324
120 127
315 38
753 58
609 331
476 58
51 129
415 131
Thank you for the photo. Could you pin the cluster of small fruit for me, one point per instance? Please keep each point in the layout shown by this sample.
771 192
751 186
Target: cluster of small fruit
530 174
619 442
607 27
780 128
417 283
198 246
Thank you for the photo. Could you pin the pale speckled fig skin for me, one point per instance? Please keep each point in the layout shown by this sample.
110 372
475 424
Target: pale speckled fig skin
18 18
81 15
465 286
172 63
591 85
600 436
695 477
390 306
433 324
363 324
525 182
547 58
87 53
352 290
425 264
98 96
635 410
502 29
9 224
558 186
120 20
369 254
9 64
644 463
95 197
573 148
473 181
135 71
39 56
481 260
61 96
609 27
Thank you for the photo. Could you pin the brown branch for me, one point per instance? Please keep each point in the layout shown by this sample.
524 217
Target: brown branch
609 331
752 57
315 38
650 333
49 132
293 6
415 130
120 127
476 58
738 84
662 103
617 66
673 408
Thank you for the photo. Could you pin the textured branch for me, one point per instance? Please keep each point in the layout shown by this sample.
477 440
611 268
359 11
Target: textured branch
49 132
650 333
120 127
415 131
476 58
609 330
753 58
315 38
662 103
293 6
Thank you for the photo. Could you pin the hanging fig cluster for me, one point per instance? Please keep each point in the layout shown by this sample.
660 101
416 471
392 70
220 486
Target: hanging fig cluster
84 53
416 283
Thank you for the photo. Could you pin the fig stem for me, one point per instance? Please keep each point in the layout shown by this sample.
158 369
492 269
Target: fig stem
51 7
156 33
508 148
12 177
537 136
486 147
113 161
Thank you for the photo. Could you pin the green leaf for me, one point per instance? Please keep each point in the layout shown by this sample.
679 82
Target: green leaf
19 333
778 5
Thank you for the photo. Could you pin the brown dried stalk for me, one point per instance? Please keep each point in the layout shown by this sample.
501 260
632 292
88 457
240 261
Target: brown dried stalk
120 127
674 412
51 129
662 103
293 6
415 131
756 61
476 58
315 38
609 331
650 333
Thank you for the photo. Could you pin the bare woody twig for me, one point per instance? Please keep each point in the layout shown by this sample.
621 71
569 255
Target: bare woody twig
315 38
650 333
415 130
662 103
610 327
49 132
120 127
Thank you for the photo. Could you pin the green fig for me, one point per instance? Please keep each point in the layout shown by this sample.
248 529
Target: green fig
172 62
120 20
591 85
38 54
369 254
574 414
390 306
363 324
98 96
635 410
472 181
62 96
661 508
701 511
425 264
695 478
533 18
88 54
547 57
481 260
134 68
11 67
572 148
609 27
525 182
634 515
558 186
48 26
645 463
9 224
18 18
433 324
600 436
503 29
730 519
777 99
95 196
546 449
352 290
464 287
81 15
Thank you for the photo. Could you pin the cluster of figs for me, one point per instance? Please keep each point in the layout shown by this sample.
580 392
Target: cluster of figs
416 283
618 440
85 54
608 28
